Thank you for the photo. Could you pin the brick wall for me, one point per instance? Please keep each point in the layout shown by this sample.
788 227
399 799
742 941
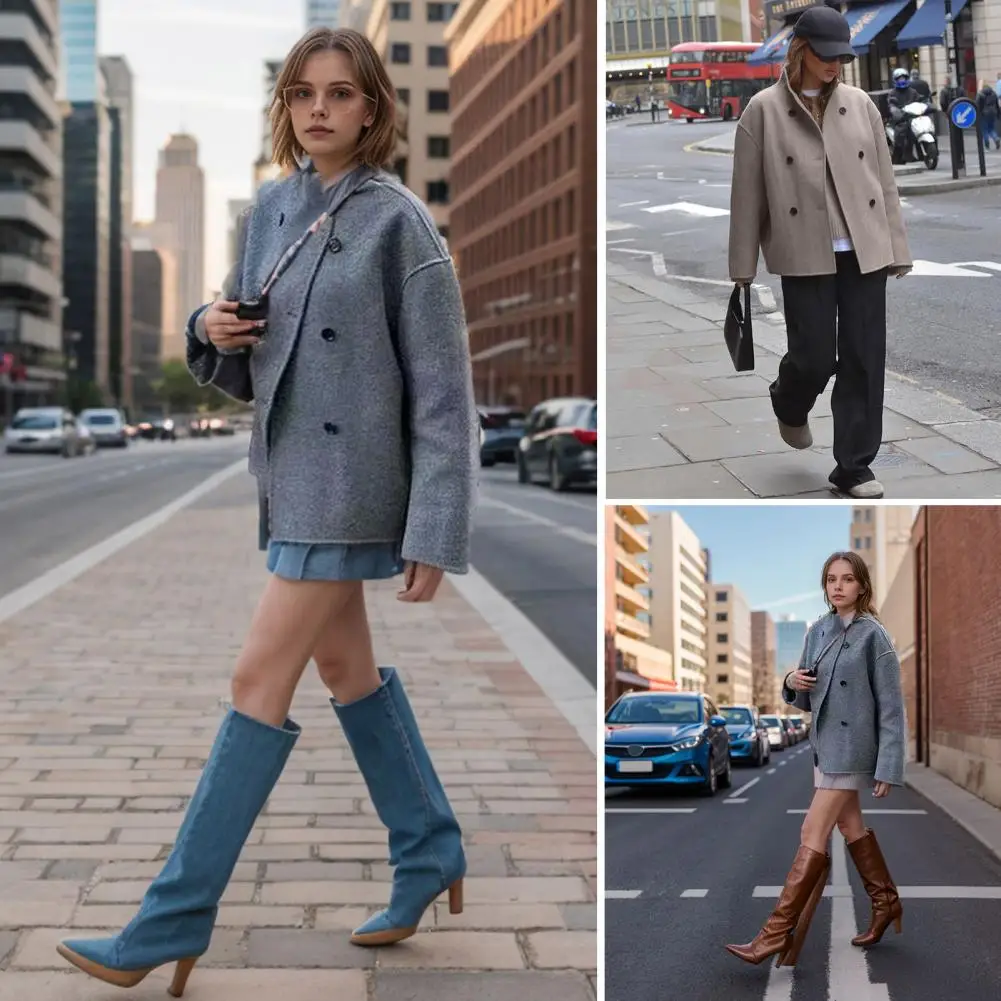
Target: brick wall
763 659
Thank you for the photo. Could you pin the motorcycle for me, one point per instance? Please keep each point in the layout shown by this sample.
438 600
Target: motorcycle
923 146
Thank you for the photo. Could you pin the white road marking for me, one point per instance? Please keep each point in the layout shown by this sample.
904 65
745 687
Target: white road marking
649 809
911 813
771 771
625 239
577 534
614 227
630 205
690 208
744 788
622 894
695 894
678 232
732 799
656 259
933 269
782 764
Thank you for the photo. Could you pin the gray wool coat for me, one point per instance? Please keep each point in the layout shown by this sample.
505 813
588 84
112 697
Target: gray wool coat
365 428
859 723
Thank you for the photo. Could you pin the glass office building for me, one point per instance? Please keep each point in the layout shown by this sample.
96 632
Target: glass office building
78 33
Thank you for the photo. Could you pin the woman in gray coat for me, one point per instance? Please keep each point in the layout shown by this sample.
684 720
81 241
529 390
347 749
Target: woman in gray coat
342 321
849 679
814 190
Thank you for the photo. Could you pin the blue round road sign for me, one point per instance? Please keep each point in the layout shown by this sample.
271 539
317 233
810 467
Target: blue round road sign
963 113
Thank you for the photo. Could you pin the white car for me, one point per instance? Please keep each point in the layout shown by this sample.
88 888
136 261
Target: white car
38 430
107 425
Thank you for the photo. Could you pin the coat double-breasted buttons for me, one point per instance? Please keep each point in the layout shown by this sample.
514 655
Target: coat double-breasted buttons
330 427
872 203
844 723
861 154
794 211
788 159
328 334
334 245
842 111
844 684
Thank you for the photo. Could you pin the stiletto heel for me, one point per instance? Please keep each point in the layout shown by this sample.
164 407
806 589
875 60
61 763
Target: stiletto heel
455 897
181 973
898 923
886 906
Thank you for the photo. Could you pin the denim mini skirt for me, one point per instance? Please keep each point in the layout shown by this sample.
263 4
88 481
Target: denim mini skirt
334 561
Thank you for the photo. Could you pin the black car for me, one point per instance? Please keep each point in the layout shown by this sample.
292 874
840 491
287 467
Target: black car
560 443
502 430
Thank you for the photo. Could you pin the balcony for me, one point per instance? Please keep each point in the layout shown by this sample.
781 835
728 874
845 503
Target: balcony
631 596
26 328
21 80
635 573
631 626
20 137
47 13
20 206
22 271
627 536
20 28
633 514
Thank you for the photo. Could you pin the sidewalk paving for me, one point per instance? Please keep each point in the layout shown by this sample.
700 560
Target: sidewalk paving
912 178
680 423
110 697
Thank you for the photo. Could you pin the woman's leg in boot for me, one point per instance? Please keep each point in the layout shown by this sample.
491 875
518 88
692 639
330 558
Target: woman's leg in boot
868 858
850 822
178 912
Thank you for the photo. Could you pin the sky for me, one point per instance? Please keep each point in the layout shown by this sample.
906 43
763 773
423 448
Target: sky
773 553
199 68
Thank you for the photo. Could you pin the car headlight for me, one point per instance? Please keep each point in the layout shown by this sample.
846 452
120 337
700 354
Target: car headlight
687 744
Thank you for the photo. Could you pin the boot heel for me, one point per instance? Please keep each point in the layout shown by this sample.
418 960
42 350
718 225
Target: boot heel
181 973
455 897
898 923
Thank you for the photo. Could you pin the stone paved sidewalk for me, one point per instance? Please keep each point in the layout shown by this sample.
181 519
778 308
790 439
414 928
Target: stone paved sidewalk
680 423
110 693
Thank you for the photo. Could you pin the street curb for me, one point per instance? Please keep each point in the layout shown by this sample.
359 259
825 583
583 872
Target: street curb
47 583
562 683
971 812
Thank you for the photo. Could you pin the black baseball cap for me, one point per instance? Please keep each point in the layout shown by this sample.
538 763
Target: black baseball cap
827 32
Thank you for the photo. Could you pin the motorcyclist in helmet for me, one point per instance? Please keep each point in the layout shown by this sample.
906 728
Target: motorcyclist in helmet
901 95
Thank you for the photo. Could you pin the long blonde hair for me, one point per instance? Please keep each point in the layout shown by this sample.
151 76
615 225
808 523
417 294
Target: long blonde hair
794 74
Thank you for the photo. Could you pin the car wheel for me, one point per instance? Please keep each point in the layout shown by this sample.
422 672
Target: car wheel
759 757
726 779
487 462
711 785
557 481
523 474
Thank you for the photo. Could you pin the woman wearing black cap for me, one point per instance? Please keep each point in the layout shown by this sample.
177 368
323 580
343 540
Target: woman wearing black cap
814 191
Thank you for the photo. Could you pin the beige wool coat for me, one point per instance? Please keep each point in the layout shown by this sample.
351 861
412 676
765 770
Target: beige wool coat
778 201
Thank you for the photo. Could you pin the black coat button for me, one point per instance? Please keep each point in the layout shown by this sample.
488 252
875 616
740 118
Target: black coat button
861 154
330 428
872 203
842 111
843 723
792 112
327 334
788 159
334 245
844 684
794 211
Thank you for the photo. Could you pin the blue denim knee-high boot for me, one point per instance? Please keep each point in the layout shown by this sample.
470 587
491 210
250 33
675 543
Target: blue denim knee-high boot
425 842
178 912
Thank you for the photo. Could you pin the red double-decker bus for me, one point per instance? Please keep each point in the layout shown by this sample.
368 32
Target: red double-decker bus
714 79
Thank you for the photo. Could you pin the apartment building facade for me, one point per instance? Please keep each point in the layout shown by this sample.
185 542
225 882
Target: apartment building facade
729 670
764 661
882 537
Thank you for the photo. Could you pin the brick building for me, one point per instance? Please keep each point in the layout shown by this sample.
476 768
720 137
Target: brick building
764 661
953 681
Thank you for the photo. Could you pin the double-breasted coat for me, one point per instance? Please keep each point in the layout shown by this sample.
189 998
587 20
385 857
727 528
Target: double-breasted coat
859 723
365 427
778 198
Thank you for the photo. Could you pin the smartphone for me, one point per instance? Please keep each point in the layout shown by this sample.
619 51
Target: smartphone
252 309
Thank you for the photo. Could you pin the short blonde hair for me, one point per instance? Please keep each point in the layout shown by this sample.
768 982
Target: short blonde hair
378 142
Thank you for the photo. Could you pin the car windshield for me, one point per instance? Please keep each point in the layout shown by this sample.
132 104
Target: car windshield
34 422
655 709
498 422
737 716
770 720
101 419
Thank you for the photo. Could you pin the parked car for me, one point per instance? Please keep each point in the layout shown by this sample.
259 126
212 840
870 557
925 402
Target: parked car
799 726
667 738
746 743
778 740
791 731
107 426
560 442
501 429
50 430
157 429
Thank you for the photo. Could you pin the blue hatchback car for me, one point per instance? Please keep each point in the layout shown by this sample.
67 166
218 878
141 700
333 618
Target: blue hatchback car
667 738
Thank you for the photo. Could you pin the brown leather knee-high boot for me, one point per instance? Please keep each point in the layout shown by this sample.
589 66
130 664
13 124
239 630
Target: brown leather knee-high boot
785 930
886 906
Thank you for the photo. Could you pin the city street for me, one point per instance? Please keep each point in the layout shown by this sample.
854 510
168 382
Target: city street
682 884
668 216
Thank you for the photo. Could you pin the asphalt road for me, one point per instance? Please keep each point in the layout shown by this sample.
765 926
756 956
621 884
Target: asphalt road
944 320
663 946
536 547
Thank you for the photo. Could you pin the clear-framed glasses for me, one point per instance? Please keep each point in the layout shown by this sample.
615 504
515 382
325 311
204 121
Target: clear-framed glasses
339 97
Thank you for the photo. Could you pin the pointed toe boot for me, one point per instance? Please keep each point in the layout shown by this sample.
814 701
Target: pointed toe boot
784 932
425 841
175 921
886 906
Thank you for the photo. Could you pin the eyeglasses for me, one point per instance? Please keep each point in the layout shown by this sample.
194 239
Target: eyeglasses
300 97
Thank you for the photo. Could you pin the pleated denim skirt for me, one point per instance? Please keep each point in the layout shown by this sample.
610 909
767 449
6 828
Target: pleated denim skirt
334 561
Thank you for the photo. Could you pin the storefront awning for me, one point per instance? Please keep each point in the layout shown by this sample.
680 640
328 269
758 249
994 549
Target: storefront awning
775 49
868 20
927 26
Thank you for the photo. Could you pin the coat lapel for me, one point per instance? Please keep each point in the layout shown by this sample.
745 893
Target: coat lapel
830 644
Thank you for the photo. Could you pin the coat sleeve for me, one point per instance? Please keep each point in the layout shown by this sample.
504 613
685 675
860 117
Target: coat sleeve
801 700
228 371
748 205
891 726
444 429
891 197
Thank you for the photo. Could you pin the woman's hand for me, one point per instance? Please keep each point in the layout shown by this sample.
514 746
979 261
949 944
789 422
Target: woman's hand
881 789
902 271
421 582
800 681
226 331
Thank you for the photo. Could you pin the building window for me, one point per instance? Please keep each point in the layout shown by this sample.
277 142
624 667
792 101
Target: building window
441 11
437 193
722 637
722 658
858 543
722 679
437 55
721 595
438 147
437 100
399 12
722 617
403 95
400 53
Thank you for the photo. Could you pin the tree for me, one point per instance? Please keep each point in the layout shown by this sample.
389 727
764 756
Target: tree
180 394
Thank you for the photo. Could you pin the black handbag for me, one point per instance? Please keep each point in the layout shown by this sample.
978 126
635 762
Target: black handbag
737 330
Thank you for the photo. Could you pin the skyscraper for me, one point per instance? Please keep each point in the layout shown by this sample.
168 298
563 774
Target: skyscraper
78 26
791 633
180 207
322 13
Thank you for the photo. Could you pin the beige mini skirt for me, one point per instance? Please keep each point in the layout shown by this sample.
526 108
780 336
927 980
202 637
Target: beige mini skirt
849 780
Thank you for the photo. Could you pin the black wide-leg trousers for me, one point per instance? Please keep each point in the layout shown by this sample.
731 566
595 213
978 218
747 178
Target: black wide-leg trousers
836 325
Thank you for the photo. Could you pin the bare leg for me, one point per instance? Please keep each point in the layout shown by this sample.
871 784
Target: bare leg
283 633
850 821
343 653
823 815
